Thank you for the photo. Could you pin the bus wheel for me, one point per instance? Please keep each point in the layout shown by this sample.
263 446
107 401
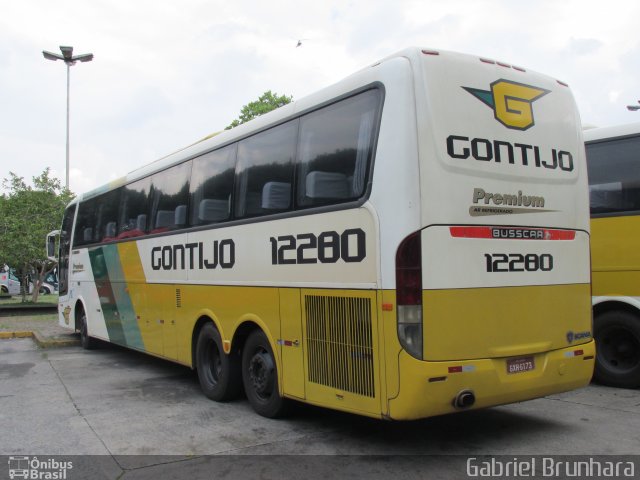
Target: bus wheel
260 376
219 374
86 341
617 336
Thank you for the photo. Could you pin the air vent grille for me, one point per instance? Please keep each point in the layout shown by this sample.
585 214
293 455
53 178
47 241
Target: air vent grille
339 343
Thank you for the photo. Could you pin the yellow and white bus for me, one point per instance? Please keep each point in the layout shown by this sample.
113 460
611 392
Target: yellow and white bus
411 241
613 159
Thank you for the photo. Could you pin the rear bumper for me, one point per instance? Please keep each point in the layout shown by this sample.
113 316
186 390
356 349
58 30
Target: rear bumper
428 388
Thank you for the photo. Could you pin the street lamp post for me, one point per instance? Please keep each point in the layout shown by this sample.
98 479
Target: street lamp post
70 59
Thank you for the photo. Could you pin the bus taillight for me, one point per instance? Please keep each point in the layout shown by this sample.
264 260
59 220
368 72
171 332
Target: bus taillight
409 294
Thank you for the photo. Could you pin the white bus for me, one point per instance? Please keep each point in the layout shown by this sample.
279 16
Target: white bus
9 282
411 241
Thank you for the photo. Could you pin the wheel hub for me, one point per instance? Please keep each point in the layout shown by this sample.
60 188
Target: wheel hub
261 372
619 350
214 362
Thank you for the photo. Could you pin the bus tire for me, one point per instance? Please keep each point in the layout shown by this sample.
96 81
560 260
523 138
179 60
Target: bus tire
86 341
617 335
219 374
260 376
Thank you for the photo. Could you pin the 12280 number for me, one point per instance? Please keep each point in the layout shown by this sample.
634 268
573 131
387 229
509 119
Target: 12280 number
328 247
517 262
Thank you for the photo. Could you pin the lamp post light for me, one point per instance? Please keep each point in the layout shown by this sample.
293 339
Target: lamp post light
70 59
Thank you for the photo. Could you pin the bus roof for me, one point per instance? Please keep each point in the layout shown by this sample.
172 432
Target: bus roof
613 131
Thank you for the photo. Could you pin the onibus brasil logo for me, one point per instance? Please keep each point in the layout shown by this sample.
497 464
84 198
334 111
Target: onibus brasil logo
511 102
38 469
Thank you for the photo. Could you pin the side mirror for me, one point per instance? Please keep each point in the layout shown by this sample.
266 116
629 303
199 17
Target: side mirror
52 251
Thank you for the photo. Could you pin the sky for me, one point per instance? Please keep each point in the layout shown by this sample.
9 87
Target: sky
167 73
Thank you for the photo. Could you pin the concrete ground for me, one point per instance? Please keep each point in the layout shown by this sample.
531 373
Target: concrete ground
141 417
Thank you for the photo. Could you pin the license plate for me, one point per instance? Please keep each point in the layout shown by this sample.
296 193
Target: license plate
520 364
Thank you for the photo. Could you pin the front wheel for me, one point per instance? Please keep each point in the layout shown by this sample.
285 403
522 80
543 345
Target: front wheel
218 373
260 376
617 335
86 341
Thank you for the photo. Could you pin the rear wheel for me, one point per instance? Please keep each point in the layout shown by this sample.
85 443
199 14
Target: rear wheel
617 335
260 376
86 341
219 373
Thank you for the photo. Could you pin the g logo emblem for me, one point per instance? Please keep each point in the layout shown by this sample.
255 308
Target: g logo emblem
510 102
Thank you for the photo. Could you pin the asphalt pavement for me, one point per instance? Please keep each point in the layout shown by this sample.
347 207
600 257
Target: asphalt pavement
123 414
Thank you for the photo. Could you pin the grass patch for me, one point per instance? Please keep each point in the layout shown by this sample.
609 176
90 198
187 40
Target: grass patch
13 320
43 317
17 299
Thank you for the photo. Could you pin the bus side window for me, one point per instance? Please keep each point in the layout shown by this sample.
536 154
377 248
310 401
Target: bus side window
614 176
334 151
264 172
85 223
212 186
106 226
134 205
170 198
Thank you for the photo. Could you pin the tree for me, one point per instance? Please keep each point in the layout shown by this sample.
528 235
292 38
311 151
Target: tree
27 214
266 102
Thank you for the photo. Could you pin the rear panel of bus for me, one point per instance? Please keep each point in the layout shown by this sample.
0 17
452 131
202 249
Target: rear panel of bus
501 258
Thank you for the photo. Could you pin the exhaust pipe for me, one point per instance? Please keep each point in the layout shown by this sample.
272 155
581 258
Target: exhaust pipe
464 399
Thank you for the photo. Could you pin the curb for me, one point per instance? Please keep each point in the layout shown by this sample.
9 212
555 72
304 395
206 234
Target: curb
18 334
40 340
